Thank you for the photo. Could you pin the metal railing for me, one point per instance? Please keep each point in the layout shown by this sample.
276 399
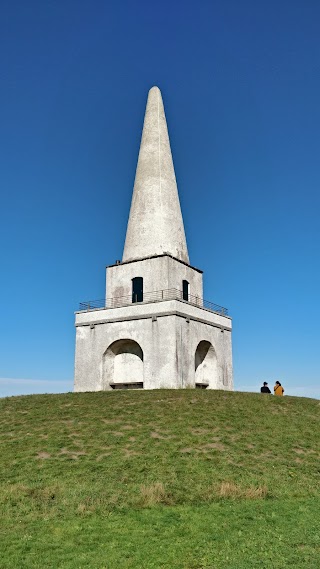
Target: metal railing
148 297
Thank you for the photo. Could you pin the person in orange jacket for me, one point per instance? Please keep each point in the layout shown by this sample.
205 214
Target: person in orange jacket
278 389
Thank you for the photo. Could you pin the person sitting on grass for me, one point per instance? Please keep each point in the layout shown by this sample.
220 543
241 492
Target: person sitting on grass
278 389
265 388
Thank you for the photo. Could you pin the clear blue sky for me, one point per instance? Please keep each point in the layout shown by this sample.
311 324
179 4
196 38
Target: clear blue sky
241 88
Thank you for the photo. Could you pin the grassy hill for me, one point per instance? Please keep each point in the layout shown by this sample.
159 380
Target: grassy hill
159 479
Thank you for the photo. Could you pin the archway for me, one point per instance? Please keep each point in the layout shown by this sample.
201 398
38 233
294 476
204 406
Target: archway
124 365
205 365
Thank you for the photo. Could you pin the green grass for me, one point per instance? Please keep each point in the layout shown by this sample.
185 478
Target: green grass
159 479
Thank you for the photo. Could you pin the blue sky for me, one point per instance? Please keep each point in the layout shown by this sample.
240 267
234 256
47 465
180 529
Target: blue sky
241 87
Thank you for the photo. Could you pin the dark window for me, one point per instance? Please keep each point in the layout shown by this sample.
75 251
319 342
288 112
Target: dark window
185 290
137 289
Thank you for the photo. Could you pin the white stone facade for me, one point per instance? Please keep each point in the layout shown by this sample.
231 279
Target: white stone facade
155 223
154 330
160 272
179 344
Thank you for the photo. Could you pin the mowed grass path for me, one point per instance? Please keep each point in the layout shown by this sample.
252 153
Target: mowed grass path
159 479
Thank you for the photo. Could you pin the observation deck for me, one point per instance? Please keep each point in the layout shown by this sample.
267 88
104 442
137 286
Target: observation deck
152 297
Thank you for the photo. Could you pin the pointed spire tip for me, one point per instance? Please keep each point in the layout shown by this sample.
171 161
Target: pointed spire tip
154 88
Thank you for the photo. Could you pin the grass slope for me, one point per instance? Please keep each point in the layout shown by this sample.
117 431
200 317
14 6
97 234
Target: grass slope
159 479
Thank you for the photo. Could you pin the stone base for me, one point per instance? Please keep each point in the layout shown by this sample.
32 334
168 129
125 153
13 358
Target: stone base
169 344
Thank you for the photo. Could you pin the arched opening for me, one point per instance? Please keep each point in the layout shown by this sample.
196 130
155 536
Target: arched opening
124 365
205 365
137 289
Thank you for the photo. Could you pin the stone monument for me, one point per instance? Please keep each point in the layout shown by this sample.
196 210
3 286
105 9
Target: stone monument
153 329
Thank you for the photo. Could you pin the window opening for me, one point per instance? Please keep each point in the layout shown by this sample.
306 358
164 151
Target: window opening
185 290
137 289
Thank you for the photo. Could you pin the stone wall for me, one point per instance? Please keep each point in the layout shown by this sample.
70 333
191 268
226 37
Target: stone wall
168 334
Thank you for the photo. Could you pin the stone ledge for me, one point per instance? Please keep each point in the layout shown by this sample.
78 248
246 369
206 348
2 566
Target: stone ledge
155 257
155 315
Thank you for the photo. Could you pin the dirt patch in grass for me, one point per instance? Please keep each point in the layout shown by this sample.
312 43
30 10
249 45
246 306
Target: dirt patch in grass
84 509
154 494
279 411
214 445
155 435
129 452
43 455
73 454
235 463
233 491
102 456
234 438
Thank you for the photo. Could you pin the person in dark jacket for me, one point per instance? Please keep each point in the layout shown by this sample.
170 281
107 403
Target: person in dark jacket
265 388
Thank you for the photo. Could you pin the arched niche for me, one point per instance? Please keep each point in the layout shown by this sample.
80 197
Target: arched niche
123 363
205 365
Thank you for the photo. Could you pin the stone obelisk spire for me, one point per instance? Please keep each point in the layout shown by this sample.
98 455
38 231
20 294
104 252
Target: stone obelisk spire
155 223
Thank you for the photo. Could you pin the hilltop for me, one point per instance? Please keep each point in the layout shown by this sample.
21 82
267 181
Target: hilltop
160 479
